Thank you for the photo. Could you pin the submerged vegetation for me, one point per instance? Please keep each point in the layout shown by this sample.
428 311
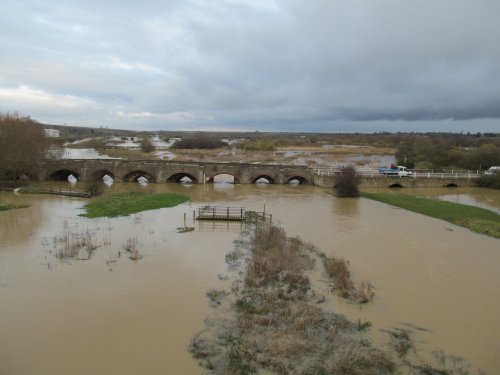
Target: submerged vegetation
11 206
277 325
131 248
74 243
121 204
477 219
338 270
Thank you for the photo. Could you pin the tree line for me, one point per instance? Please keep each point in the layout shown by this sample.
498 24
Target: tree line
453 152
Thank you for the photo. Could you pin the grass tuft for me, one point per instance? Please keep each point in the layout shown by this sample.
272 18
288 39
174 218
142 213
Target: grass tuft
338 270
71 242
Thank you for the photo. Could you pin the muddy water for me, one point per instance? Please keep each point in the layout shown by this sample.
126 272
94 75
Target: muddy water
111 315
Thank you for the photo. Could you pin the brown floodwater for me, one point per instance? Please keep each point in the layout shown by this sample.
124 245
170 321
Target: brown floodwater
112 315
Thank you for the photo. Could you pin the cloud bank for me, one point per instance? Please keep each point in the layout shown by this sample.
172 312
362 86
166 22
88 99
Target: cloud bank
321 65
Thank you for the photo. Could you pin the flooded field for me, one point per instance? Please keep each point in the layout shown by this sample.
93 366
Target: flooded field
113 315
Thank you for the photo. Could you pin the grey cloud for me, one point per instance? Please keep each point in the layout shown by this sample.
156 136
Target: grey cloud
262 63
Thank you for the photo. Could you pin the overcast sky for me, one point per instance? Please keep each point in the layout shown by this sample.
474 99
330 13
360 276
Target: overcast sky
276 65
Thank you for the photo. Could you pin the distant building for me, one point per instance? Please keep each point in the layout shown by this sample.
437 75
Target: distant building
52 133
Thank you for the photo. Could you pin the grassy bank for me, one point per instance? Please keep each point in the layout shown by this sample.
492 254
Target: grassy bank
476 219
121 204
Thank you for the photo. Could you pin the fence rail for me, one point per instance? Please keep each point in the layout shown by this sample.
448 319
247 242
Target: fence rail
228 213
448 175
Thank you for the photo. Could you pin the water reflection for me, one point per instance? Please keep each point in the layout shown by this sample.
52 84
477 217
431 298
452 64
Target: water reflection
18 226
346 206
107 180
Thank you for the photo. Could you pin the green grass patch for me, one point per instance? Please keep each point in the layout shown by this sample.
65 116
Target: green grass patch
122 204
5 207
476 219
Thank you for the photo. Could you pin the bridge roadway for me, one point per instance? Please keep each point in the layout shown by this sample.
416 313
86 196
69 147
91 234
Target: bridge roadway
161 171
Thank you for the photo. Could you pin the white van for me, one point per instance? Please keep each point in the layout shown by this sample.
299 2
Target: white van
493 170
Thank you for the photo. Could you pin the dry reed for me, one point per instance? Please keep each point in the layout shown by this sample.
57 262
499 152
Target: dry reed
71 243
338 271
131 248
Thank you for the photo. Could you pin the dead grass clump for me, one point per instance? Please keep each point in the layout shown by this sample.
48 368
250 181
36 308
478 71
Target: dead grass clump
74 244
215 296
131 248
443 364
338 271
275 257
401 341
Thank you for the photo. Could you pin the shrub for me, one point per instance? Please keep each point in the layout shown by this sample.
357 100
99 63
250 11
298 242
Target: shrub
346 183
489 181
257 145
94 186
198 141
146 145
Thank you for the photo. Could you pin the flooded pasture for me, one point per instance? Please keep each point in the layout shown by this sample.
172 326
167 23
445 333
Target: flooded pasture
113 315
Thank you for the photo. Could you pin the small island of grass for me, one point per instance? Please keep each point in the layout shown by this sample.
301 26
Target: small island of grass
477 219
121 204
11 206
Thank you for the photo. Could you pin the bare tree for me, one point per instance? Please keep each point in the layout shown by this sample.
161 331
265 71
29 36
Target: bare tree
22 144
146 145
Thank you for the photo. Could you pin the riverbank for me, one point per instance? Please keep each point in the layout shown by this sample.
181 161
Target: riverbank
477 219
121 204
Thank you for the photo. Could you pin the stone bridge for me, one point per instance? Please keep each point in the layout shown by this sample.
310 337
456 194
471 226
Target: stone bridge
160 171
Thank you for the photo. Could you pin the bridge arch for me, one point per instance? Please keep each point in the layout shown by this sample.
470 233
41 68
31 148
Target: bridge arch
451 185
211 179
133 176
63 174
396 185
297 180
179 176
270 180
